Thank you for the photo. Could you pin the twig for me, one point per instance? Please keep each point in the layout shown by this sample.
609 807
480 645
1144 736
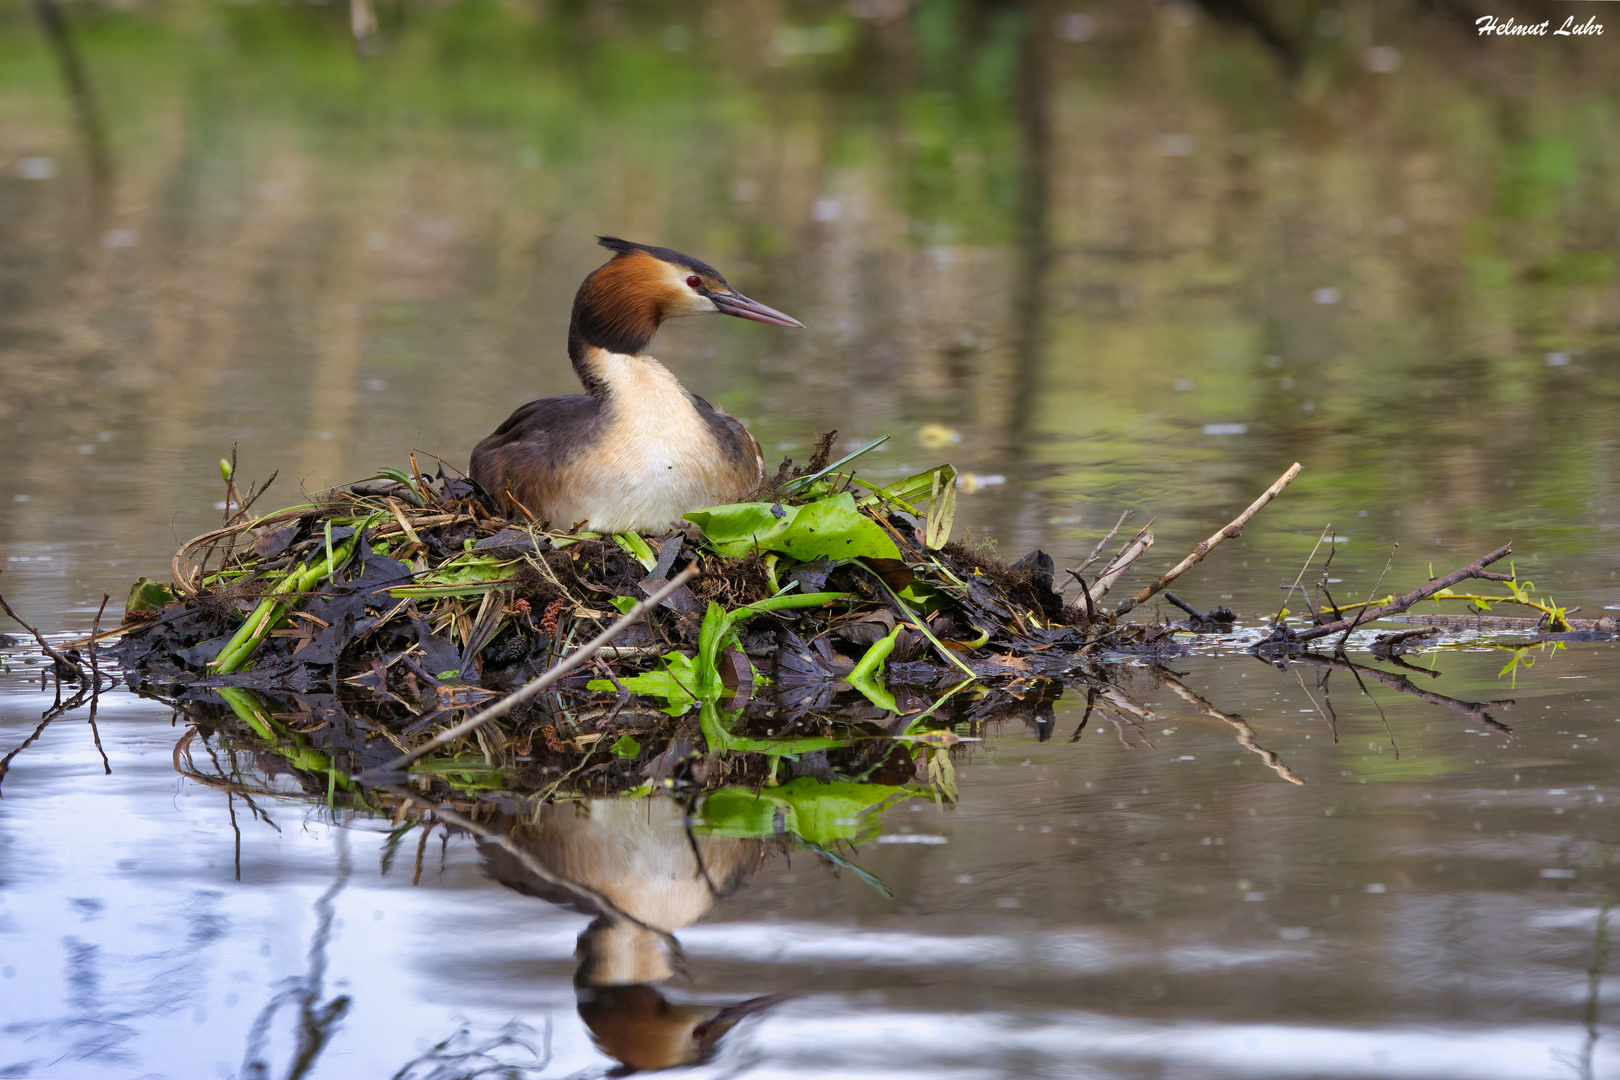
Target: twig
95 732
1085 594
1234 529
1475 569
53 653
1388 642
1382 715
1184 606
1475 710
1119 564
95 681
1091 703
95 628
231 494
56 710
254 492
1494 622
1096 552
1355 622
1283 607
535 686
1321 588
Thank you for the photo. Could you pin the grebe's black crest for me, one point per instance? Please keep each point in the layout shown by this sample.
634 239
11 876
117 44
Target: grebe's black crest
662 254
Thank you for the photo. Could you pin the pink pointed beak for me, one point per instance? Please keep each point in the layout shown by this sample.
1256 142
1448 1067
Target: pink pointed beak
739 305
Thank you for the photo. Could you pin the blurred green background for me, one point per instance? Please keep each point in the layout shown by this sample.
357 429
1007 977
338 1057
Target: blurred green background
1099 255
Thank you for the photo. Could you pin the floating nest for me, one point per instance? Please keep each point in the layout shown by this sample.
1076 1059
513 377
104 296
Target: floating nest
833 629
372 618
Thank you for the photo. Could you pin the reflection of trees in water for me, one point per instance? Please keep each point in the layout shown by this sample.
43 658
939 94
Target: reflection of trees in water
104 1017
316 1022
988 215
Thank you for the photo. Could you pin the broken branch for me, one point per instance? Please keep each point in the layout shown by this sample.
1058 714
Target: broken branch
1121 562
1475 569
1233 529
55 654
533 688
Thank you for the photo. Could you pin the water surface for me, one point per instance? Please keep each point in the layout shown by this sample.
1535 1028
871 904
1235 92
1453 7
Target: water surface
1124 268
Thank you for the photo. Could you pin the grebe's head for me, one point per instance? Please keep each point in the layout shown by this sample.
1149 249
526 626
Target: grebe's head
622 303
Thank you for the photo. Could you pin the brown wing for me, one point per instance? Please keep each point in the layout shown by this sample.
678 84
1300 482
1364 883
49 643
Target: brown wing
744 459
524 457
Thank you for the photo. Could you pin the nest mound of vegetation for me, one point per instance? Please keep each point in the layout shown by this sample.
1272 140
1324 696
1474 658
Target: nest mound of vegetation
323 640
406 585
352 634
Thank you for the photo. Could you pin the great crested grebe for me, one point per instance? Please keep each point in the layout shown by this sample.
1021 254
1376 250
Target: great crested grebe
637 449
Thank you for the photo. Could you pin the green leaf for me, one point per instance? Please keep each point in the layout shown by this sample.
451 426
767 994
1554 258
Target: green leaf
720 740
148 595
805 481
875 692
637 548
465 576
834 529
622 604
942 508
831 528
716 627
871 663
626 747
735 529
675 683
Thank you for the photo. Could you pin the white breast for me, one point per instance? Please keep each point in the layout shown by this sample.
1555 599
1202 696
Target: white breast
658 458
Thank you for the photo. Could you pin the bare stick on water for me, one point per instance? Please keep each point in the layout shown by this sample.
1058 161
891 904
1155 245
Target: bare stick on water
1475 569
1234 529
49 650
535 686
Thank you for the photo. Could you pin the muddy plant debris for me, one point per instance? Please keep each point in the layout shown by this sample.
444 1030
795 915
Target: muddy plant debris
829 601
406 585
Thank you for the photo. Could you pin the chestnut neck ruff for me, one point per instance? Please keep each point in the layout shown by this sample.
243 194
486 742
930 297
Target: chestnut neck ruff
621 304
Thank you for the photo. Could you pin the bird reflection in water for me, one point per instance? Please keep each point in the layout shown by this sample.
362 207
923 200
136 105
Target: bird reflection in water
644 874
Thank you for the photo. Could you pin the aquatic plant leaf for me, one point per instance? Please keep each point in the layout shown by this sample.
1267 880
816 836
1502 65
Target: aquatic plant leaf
834 529
633 545
803 482
715 629
472 576
807 808
913 490
871 664
148 595
941 508
738 528
830 528
720 740
874 691
676 682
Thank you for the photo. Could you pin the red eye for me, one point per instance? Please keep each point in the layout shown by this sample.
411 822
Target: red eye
694 281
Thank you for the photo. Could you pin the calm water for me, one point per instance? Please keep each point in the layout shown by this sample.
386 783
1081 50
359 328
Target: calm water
1119 265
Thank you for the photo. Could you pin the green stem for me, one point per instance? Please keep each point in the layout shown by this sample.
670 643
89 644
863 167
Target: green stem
916 619
871 664
269 613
